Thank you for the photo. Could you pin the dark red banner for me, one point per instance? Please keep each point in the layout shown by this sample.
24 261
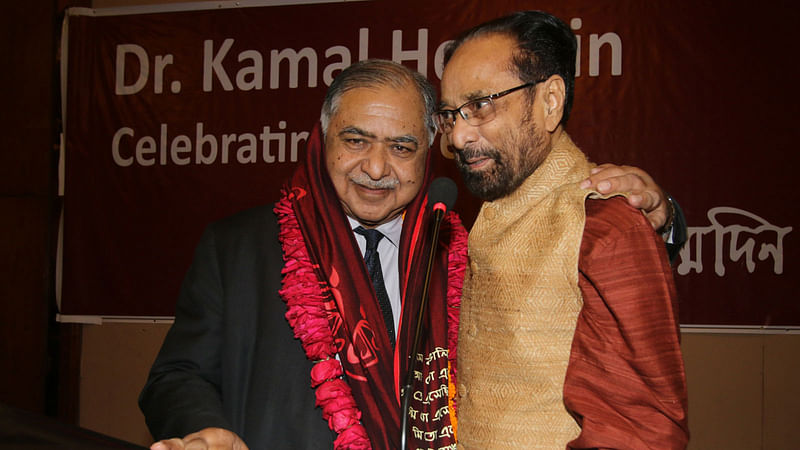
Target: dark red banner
175 119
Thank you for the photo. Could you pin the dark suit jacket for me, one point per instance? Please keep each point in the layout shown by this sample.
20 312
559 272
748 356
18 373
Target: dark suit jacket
679 233
230 359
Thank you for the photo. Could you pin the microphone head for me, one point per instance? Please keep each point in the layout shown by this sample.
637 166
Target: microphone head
442 194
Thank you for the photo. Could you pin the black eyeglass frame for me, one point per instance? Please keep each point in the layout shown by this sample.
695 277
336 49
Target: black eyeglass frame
439 117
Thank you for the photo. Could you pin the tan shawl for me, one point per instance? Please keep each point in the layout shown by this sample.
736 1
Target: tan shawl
519 310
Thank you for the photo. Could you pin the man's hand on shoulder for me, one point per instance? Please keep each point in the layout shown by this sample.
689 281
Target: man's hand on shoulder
643 192
205 439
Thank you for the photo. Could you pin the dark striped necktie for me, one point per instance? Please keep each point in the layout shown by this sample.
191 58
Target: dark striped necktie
373 262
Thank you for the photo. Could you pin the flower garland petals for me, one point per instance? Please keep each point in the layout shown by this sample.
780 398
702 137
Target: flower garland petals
456 267
352 438
305 304
323 371
305 298
338 406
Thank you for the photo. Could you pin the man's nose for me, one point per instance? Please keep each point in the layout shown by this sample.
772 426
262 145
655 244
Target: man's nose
462 133
375 163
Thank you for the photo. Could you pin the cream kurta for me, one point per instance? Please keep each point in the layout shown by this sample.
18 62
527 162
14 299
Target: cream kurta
519 310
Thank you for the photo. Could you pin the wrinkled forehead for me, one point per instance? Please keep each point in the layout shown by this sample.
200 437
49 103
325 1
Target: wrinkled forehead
382 112
481 66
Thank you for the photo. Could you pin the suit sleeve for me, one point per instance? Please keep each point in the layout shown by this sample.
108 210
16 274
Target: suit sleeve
625 383
680 232
182 393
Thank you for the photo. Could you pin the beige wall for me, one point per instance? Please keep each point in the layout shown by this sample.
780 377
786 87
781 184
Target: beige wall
743 389
115 359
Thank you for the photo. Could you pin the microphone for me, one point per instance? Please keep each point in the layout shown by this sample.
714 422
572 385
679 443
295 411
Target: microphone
441 196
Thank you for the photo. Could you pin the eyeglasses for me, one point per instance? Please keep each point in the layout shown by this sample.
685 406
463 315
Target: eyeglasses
474 112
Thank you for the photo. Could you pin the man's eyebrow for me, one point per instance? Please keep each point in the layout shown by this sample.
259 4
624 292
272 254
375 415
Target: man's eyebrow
474 95
356 130
406 139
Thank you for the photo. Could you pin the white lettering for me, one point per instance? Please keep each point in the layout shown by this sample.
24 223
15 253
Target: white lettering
742 242
441 413
144 147
206 148
438 59
420 54
162 61
212 65
614 41
120 88
297 138
437 353
294 61
575 24
267 137
248 153
344 62
227 140
430 377
118 159
255 72
201 140
363 44
181 144
163 144
250 75
596 41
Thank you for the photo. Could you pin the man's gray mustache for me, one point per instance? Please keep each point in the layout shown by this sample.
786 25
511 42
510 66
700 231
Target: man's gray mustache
383 183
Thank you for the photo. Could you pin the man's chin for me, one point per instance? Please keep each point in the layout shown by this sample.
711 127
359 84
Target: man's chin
480 187
486 188
373 219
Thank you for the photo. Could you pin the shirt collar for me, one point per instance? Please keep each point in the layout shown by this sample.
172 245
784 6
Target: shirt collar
392 229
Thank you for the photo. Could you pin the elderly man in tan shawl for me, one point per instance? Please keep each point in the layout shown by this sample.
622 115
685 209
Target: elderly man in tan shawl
568 333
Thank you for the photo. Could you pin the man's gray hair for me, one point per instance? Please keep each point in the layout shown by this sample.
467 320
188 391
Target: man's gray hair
379 73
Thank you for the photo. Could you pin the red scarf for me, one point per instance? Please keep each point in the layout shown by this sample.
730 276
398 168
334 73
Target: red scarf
373 371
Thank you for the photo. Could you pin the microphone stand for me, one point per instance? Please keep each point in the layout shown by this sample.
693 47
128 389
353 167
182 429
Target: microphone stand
438 213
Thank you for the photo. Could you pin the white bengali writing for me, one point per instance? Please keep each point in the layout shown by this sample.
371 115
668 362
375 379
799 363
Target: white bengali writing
425 417
437 353
743 243
441 413
435 384
429 436
435 394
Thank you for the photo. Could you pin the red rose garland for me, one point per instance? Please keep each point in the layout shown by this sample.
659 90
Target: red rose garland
456 266
307 316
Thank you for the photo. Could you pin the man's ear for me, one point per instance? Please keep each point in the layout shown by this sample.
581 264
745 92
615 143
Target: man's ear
554 95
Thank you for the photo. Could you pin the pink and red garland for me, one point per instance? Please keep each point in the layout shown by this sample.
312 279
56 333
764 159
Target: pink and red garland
307 316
